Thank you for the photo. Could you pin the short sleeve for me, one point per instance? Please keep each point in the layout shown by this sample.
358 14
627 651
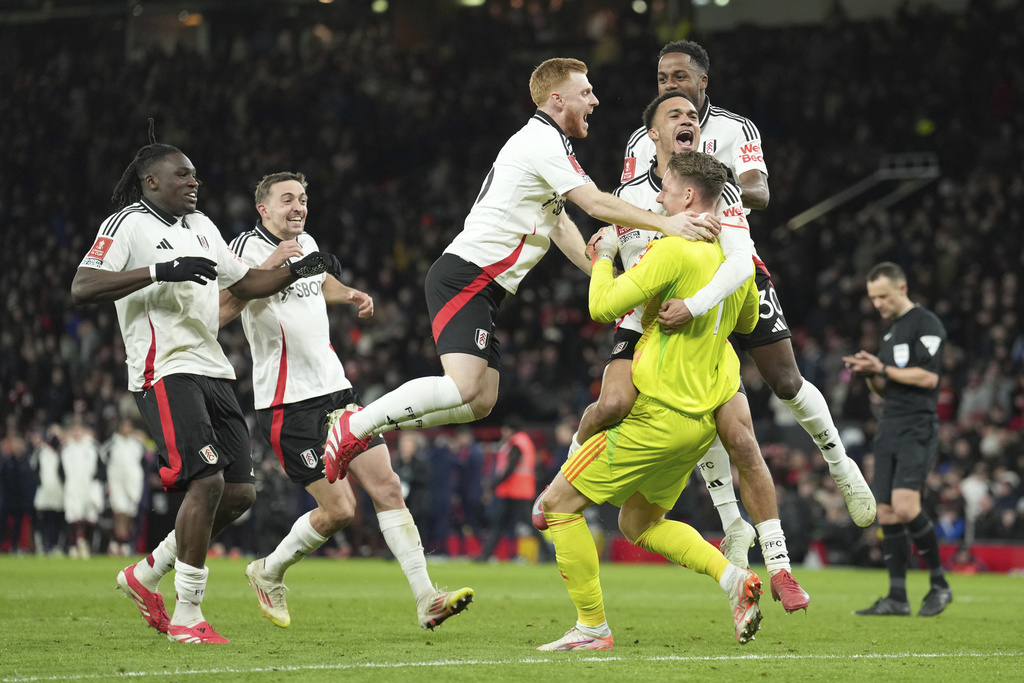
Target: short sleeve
111 249
230 268
930 338
749 154
559 169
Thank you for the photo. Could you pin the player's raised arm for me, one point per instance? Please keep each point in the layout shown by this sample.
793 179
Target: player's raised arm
610 209
335 292
566 236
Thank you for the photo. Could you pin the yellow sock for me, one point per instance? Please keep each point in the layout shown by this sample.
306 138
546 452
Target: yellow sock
682 544
577 560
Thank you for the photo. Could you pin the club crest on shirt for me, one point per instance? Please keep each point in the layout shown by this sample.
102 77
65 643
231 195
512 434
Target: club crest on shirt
202 242
482 337
619 348
710 146
901 355
309 458
208 454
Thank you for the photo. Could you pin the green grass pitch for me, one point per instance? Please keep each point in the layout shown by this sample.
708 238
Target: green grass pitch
63 620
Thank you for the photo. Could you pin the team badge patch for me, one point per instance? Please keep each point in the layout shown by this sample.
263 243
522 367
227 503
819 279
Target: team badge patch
208 454
618 348
99 250
901 354
482 337
628 169
202 242
710 146
309 458
576 165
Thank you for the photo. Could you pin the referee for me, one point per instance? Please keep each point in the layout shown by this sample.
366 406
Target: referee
905 373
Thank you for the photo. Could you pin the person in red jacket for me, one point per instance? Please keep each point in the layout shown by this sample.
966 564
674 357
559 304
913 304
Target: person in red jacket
513 485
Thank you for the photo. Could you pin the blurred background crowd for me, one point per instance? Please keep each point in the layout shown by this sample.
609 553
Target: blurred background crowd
395 117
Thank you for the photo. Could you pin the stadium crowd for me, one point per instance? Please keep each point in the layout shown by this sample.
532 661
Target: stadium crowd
395 135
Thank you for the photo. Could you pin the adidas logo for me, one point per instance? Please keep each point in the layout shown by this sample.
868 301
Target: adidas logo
829 446
779 326
164 244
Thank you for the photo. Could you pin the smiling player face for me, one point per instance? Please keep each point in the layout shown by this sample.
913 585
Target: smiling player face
677 72
676 128
578 103
284 212
172 184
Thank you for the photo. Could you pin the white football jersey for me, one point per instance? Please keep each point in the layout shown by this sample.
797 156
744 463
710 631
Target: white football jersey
288 332
168 327
730 138
507 231
642 192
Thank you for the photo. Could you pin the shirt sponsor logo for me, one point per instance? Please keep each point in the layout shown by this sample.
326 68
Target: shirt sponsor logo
576 165
309 458
750 153
99 250
202 242
628 169
208 454
901 355
710 146
734 212
482 337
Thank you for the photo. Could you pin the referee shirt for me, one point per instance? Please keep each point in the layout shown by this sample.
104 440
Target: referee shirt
288 332
643 192
914 340
507 231
168 327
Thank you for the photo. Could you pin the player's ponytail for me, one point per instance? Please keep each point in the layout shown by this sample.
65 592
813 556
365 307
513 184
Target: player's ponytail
129 188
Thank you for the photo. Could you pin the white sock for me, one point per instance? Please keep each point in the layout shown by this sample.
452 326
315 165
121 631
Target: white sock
163 558
453 416
773 545
300 541
190 584
811 410
716 470
574 445
403 539
411 401
729 577
601 631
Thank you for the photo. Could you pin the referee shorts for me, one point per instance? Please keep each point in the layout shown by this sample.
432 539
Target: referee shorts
198 428
463 303
297 433
653 451
771 325
905 450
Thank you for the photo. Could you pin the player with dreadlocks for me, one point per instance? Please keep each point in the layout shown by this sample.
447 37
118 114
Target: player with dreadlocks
154 259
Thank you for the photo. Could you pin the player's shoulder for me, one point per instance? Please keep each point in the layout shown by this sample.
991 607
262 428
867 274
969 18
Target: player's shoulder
124 220
540 130
636 139
246 243
730 194
640 186
722 117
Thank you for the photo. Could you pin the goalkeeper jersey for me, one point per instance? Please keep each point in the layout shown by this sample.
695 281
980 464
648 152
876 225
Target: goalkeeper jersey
695 370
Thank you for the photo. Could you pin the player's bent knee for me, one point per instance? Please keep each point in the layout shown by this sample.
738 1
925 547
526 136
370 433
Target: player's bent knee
786 383
387 493
237 498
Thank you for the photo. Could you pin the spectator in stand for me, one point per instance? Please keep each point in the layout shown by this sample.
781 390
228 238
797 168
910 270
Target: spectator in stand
16 493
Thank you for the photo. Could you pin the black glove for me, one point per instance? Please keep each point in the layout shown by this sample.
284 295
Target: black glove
316 263
187 269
